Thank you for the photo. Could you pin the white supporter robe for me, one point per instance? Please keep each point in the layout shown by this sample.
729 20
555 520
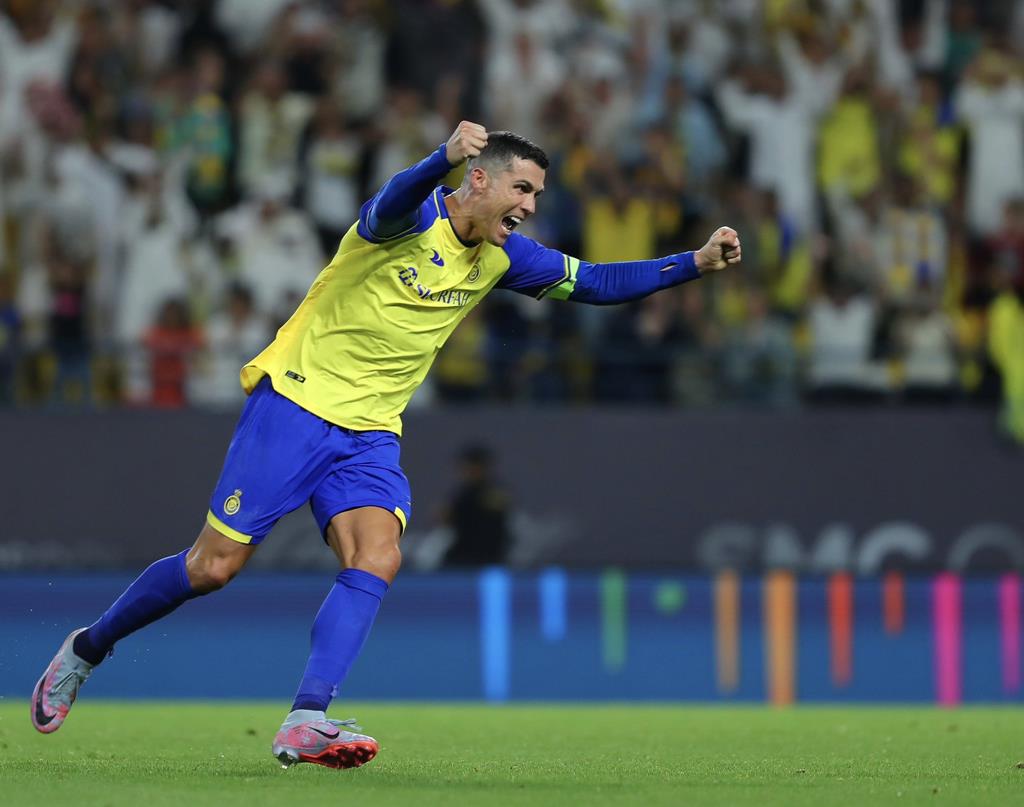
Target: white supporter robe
995 174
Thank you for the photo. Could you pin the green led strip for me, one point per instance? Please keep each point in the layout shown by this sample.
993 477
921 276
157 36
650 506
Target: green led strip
613 619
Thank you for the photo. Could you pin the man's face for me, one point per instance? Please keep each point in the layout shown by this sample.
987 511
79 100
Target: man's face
509 197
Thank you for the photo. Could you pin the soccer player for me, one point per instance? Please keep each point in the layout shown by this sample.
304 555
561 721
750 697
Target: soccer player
322 421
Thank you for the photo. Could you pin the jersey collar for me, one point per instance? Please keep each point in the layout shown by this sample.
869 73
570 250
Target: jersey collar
442 210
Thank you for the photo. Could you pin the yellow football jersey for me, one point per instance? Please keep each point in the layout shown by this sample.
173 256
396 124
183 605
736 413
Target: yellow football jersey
366 334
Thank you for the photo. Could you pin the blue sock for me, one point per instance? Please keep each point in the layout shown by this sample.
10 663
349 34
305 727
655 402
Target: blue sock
154 594
339 632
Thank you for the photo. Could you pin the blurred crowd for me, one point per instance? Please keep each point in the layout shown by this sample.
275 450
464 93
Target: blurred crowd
174 174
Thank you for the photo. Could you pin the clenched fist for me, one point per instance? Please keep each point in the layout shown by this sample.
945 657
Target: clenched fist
721 250
466 141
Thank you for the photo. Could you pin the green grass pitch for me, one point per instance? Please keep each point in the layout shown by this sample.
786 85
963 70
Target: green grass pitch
193 754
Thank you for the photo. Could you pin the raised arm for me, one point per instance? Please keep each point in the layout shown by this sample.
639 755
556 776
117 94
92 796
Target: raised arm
393 209
540 271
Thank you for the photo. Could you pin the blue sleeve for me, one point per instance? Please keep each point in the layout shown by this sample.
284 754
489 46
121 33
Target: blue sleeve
394 209
533 269
539 271
609 283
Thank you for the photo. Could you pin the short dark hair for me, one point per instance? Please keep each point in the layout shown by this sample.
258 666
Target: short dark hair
503 147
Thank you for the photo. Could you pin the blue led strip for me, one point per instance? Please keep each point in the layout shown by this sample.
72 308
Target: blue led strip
495 632
553 589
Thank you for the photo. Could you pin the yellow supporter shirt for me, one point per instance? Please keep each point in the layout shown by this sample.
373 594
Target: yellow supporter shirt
848 156
614 234
1006 347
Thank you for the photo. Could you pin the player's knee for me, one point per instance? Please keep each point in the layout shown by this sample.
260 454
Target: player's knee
214 560
382 560
208 574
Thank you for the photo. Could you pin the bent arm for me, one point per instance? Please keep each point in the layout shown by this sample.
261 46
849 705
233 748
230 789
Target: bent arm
394 208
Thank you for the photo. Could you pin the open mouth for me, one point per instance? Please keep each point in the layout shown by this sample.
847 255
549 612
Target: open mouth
509 223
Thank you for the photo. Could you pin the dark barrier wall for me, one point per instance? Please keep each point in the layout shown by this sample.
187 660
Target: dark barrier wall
812 491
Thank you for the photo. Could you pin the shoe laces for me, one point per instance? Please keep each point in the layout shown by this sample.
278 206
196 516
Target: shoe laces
350 723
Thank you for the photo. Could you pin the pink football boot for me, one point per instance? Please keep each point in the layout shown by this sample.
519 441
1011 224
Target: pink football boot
308 736
58 688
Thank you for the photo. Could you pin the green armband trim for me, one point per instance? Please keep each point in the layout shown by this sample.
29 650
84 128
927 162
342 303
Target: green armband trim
564 287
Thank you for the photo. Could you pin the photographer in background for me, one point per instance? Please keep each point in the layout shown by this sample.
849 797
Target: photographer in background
478 513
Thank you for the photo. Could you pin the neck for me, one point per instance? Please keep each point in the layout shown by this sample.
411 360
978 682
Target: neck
458 214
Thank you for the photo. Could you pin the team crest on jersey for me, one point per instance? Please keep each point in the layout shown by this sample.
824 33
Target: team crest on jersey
474 273
233 503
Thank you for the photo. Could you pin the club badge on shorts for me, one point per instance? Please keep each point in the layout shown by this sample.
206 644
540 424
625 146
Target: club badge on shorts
233 503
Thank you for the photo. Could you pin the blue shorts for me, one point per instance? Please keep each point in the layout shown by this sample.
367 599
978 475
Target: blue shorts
282 456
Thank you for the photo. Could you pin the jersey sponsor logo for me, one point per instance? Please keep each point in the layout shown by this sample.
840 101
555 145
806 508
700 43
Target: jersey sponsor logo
233 503
457 297
408 276
436 259
454 297
293 375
